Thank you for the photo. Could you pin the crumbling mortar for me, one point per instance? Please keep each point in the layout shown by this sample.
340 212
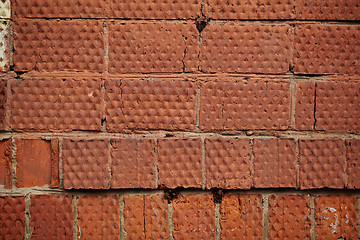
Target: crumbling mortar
265 220
313 234
76 230
122 217
170 220
217 221
14 163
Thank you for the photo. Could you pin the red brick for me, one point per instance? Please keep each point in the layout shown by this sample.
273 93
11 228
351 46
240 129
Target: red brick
12 218
43 45
274 163
322 164
263 9
6 163
194 217
51 217
3 103
328 10
56 103
304 108
247 48
133 163
289 217
142 9
241 217
164 103
180 163
236 104
338 106
37 163
353 163
227 163
321 49
153 47
146 217
98 217
86 164
336 217
59 9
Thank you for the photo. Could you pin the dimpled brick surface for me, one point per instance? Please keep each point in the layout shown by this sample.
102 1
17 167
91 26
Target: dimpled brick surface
86 164
5 27
146 217
153 47
12 218
304 108
335 217
150 104
6 163
51 217
60 9
249 48
328 10
165 9
227 163
193 217
3 101
241 217
98 217
274 163
5 9
179 163
353 163
289 217
241 105
133 163
75 45
239 9
338 106
54 103
320 49
322 164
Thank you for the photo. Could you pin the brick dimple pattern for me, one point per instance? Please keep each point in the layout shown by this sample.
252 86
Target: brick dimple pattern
5 33
227 163
86 164
150 104
5 9
75 45
353 163
51 217
241 217
6 163
289 217
322 164
304 108
322 49
3 97
241 105
249 48
153 47
12 217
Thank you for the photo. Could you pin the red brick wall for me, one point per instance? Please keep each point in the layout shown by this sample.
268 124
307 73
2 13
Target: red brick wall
187 119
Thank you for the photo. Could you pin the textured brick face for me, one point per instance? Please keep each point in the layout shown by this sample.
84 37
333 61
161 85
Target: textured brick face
12 217
193 217
241 217
3 100
353 163
274 163
6 163
150 104
305 100
227 163
5 33
241 105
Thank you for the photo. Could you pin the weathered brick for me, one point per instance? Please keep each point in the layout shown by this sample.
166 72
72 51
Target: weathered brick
247 48
227 163
146 217
336 217
153 47
5 31
179 163
5 9
194 217
164 103
98 217
321 49
241 216
322 164
353 163
304 108
76 45
133 163
289 217
236 104
6 163
3 102
56 103
51 217
37 162
274 163
86 164
12 218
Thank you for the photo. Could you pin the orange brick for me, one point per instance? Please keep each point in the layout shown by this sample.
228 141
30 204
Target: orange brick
353 163
304 108
6 163
12 218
